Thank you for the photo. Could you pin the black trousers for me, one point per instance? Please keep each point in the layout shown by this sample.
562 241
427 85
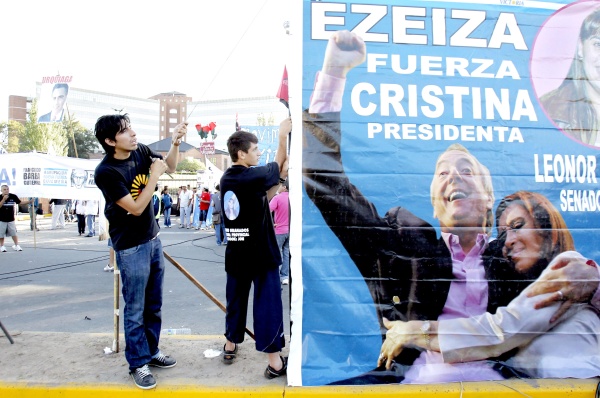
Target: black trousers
81 223
267 310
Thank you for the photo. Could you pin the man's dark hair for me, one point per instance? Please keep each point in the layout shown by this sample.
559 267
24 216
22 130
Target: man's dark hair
240 141
61 85
108 126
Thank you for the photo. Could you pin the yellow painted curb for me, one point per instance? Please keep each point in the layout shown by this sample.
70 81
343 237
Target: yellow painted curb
130 391
568 388
537 388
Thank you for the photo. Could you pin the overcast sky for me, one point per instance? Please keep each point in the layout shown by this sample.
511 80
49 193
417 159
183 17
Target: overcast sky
226 49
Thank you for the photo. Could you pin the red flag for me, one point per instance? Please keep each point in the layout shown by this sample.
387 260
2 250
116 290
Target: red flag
282 94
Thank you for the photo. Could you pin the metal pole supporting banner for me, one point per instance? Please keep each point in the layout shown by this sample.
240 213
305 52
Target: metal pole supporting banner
201 287
8 336
117 273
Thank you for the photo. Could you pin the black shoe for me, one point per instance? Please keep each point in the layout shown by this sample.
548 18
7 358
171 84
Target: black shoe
271 373
143 378
229 356
162 361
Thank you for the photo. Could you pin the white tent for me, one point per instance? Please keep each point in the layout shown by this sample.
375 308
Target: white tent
209 177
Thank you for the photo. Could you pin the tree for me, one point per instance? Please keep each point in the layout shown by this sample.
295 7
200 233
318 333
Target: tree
11 133
50 138
4 134
85 142
191 165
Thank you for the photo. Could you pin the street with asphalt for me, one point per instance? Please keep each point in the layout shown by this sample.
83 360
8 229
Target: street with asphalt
58 283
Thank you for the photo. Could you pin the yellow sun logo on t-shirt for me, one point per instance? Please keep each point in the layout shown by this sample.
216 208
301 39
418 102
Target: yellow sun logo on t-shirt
139 183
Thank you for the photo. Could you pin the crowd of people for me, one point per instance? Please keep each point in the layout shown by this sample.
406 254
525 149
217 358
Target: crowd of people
195 208
62 211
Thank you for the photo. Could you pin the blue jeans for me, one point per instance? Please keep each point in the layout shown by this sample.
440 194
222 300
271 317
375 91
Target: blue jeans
142 273
90 223
283 241
203 214
220 229
168 217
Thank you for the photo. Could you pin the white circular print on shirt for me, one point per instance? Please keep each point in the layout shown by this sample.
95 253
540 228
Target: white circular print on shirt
231 205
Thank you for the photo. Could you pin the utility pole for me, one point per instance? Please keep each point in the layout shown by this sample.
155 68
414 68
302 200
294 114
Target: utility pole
70 127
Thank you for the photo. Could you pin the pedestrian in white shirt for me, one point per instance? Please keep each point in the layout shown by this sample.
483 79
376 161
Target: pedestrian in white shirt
185 206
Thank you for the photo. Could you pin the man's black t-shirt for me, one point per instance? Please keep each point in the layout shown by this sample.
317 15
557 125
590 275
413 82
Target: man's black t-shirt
7 210
117 179
251 242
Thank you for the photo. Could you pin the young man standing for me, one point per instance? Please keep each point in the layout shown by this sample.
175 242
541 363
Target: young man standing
127 176
252 255
8 201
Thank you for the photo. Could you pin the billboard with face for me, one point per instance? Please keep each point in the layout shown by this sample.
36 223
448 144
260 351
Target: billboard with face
53 98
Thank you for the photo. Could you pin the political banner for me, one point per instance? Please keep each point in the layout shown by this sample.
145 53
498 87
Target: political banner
449 164
47 176
267 141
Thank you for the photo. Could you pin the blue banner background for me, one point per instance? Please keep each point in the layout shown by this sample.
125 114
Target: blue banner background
341 336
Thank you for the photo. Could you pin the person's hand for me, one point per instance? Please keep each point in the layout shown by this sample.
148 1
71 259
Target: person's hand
399 335
158 167
178 132
345 50
285 127
570 278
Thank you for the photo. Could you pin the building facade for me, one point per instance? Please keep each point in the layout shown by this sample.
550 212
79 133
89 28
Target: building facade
153 118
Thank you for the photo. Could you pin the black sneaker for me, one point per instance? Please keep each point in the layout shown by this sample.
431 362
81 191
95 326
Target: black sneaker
271 373
143 378
162 361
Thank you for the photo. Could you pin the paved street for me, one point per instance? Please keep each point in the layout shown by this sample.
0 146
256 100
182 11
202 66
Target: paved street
57 283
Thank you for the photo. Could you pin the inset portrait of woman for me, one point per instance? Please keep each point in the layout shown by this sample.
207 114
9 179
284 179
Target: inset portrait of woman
231 205
565 70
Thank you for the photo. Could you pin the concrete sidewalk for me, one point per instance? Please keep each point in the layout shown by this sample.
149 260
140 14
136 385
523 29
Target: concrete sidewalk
79 358
69 365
